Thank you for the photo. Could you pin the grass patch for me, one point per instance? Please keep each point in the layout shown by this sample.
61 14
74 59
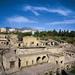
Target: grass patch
73 70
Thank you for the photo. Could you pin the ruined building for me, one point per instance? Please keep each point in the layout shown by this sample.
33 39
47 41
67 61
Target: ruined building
32 51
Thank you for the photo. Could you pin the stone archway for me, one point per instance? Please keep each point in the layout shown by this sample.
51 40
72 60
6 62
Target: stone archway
38 59
44 59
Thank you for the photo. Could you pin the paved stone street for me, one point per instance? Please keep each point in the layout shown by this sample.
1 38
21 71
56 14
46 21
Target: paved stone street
35 70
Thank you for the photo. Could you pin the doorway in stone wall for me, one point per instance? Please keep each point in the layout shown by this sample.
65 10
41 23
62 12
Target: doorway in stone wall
19 63
12 64
38 59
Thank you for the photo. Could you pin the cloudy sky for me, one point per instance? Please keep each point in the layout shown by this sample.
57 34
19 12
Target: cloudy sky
38 14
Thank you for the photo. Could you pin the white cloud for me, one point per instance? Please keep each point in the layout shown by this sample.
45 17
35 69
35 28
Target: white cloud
62 22
20 19
34 10
29 8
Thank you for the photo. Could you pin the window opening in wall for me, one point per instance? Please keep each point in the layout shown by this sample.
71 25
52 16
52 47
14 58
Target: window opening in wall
32 42
19 45
2 42
61 62
37 44
5 37
51 43
26 63
7 43
46 43
56 62
15 51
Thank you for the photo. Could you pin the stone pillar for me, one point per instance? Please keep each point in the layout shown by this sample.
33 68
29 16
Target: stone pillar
16 64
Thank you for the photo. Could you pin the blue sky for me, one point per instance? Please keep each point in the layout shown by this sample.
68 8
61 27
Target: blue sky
38 14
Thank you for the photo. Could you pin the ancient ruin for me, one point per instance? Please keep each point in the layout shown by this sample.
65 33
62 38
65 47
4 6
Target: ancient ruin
49 57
